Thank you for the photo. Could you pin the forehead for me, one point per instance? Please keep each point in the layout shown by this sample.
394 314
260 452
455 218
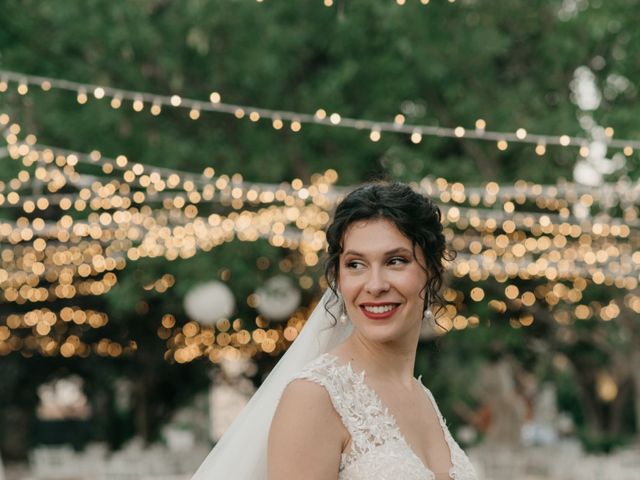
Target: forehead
374 236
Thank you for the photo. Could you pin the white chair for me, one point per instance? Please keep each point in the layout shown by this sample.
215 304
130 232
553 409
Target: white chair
2 475
53 463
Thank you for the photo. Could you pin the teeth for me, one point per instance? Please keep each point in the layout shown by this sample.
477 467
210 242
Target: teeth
380 309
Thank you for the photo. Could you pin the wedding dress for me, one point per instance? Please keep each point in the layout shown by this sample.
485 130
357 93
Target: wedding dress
379 450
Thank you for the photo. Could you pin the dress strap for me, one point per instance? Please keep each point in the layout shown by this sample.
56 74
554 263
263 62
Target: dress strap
360 409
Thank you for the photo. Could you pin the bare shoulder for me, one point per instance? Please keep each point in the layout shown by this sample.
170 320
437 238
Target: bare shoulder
302 396
313 391
305 426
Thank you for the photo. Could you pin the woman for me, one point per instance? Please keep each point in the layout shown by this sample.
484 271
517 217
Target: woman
348 406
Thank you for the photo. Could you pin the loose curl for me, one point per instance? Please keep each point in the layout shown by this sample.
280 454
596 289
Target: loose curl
416 216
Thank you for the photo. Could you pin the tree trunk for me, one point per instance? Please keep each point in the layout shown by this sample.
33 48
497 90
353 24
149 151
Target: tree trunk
592 412
618 406
635 378
141 409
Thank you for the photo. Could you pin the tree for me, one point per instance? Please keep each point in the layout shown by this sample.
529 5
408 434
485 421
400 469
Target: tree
442 64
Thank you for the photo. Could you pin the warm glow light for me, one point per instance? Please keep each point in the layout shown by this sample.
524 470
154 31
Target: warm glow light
515 235
540 149
196 106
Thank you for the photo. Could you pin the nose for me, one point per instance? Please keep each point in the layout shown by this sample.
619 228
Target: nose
376 282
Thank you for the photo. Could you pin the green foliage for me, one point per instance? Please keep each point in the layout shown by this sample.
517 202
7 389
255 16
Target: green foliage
442 64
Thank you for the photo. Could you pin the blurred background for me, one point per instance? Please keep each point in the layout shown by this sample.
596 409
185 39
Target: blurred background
167 169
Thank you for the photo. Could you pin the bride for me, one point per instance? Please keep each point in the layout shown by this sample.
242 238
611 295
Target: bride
343 403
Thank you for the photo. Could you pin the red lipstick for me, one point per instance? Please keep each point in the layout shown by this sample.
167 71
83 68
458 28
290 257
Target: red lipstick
379 316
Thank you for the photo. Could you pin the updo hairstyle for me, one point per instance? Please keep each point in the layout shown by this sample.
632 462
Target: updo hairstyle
414 215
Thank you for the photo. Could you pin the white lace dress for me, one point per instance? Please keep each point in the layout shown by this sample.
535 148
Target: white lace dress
379 450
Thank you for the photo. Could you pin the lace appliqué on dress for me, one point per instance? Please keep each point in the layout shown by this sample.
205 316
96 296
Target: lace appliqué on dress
461 467
378 448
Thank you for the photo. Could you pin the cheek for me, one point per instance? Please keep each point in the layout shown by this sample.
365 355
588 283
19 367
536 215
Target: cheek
351 287
347 285
414 285
343 283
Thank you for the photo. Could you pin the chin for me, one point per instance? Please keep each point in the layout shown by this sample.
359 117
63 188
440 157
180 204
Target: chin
380 333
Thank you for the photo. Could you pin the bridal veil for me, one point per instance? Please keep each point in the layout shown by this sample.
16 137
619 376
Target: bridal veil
241 453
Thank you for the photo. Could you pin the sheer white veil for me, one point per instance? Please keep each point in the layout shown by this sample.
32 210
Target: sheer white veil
241 453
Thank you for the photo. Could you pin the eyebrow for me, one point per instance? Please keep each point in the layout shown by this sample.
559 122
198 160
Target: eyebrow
390 252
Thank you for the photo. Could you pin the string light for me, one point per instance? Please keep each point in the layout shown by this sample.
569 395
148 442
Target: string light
215 104
503 232
401 3
51 333
519 193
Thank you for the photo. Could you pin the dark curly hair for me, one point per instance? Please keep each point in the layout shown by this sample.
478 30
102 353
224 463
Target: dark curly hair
415 216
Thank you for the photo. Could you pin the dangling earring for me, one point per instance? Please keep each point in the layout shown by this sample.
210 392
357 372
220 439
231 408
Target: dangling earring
343 315
427 316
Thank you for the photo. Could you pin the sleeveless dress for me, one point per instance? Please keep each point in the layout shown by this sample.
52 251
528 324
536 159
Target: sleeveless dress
379 451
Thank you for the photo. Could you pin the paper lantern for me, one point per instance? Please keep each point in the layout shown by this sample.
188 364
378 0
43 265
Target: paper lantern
586 174
209 302
278 298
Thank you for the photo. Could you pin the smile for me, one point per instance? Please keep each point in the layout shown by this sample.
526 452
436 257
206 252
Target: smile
379 311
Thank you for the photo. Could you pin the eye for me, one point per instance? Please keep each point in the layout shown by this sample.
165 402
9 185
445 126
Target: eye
352 265
398 260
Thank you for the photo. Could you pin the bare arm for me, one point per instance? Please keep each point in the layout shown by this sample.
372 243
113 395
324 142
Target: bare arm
306 436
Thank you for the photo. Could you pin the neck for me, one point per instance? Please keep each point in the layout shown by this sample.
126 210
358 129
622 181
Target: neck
387 362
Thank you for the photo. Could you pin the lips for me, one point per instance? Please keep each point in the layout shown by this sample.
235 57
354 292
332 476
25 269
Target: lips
379 311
